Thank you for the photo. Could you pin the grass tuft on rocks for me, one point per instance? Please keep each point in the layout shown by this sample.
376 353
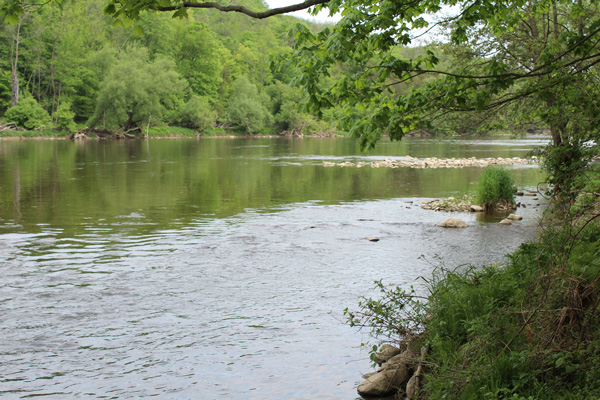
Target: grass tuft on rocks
495 188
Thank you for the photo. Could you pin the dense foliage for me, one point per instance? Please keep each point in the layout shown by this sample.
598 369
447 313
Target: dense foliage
86 69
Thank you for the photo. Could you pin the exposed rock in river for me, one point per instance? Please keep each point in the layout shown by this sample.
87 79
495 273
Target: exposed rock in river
453 222
433 162
463 204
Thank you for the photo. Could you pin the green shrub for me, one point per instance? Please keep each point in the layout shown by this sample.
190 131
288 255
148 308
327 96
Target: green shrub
196 114
28 114
64 117
495 187
245 107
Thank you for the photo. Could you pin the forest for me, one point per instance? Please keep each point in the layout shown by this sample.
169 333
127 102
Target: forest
68 65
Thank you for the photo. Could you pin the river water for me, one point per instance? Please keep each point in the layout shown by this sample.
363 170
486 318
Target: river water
217 268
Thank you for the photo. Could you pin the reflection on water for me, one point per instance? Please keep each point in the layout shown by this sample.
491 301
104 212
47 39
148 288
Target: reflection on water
212 269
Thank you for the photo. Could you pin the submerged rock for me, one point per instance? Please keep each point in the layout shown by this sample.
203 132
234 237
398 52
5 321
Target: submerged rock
453 222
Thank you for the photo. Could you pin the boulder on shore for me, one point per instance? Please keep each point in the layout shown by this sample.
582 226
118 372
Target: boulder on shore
453 222
476 208
392 376
386 352
385 382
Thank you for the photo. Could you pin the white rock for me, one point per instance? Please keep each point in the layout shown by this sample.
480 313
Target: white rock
515 217
506 221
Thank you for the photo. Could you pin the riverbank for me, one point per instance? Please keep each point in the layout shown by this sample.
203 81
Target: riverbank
175 132
528 329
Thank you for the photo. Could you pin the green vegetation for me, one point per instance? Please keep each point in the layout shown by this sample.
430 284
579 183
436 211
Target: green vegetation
495 188
28 113
66 65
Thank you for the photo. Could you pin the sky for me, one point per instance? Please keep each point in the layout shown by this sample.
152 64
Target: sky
321 17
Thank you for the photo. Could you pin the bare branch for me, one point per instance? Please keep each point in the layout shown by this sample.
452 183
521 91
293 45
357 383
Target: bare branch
246 11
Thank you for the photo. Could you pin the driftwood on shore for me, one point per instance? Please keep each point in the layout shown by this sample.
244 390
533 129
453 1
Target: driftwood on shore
9 126
105 133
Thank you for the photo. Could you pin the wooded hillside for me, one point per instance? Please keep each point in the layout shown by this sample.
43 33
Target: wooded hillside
69 63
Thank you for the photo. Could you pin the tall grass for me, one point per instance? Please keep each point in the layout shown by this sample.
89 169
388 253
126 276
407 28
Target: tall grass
495 188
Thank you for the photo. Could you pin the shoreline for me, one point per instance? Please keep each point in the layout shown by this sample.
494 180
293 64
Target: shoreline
258 136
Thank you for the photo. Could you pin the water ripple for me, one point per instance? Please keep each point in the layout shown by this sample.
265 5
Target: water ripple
246 307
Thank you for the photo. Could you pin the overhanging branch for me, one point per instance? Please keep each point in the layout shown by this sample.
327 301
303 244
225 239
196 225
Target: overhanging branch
246 11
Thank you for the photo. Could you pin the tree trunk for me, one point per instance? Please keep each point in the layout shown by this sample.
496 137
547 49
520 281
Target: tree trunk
14 63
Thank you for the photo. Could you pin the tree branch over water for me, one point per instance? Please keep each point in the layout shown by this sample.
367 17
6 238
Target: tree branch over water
246 11
12 10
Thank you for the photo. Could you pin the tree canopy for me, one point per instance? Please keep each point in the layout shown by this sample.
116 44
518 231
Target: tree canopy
85 68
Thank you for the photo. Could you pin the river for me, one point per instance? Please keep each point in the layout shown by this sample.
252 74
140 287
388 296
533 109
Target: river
218 268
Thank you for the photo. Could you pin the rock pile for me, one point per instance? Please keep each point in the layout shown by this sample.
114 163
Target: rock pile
432 162
463 204
399 370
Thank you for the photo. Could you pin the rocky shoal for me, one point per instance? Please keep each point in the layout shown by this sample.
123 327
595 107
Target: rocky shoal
432 162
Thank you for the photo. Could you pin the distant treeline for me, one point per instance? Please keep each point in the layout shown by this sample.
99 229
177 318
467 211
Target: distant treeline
68 65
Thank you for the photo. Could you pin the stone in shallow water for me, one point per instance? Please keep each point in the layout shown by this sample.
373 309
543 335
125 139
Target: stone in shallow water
515 217
506 221
476 208
453 222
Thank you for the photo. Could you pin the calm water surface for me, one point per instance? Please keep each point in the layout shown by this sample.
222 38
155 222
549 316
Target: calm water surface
207 269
